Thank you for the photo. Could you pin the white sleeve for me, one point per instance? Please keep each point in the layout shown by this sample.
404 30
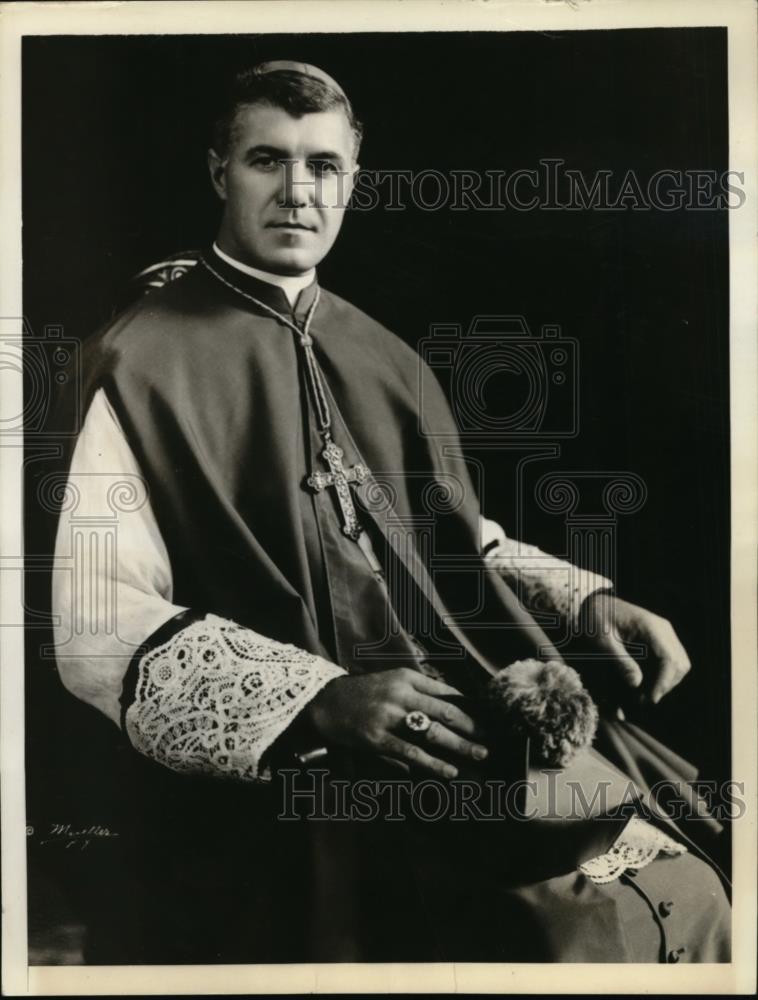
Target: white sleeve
112 585
113 588
546 582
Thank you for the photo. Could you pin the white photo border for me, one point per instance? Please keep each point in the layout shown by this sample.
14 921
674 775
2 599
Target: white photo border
267 16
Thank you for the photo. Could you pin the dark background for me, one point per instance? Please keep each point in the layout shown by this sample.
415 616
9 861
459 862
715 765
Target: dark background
114 177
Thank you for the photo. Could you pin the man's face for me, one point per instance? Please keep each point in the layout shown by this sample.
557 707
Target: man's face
284 182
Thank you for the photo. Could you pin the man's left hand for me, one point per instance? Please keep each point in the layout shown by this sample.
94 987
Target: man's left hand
611 622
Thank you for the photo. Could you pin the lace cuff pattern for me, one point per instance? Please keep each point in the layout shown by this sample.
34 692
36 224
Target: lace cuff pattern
638 845
545 582
215 696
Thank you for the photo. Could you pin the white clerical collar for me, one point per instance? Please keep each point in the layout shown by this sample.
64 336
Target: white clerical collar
291 284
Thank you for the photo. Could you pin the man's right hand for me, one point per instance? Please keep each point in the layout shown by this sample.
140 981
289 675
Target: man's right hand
367 712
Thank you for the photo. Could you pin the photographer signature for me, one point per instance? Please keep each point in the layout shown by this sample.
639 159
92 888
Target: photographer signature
69 835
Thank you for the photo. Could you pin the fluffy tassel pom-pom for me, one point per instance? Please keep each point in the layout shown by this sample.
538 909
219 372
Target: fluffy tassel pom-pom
548 703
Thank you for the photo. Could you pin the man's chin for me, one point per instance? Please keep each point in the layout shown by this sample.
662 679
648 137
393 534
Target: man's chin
289 264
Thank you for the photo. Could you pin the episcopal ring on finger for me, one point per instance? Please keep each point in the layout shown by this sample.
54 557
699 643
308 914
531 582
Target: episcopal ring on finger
418 722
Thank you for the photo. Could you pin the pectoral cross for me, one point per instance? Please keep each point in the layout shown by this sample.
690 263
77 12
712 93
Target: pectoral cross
340 478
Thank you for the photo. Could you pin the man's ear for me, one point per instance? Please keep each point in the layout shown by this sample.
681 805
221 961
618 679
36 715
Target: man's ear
217 168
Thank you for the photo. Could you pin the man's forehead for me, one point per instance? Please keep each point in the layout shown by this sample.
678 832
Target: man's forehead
265 125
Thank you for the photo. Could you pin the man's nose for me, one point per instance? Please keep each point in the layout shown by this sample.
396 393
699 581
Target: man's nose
298 184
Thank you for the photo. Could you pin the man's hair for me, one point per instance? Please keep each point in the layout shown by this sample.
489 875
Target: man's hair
296 93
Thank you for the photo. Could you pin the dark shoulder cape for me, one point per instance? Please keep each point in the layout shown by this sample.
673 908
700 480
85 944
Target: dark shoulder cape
212 397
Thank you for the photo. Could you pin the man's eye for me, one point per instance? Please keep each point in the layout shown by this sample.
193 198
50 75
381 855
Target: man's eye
324 167
265 163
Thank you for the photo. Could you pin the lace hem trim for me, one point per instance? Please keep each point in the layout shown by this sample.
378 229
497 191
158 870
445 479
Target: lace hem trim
545 582
214 697
638 846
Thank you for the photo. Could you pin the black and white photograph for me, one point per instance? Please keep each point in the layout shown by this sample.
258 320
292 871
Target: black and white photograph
379 430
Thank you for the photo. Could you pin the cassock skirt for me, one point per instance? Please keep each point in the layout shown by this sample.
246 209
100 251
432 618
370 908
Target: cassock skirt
214 875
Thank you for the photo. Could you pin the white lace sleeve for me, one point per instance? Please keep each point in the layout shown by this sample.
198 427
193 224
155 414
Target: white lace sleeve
638 845
544 581
214 697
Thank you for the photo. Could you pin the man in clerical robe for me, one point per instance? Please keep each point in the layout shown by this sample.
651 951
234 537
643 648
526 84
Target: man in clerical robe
270 599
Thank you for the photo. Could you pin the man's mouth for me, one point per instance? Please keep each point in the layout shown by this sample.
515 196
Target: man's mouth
301 226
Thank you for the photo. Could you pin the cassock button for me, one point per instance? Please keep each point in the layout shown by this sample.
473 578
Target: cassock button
676 954
665 908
